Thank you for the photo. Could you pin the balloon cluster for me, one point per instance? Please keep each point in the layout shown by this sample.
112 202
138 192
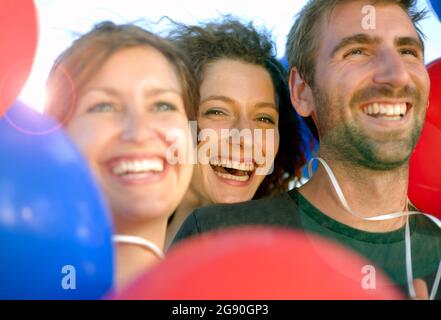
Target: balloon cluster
55 229
261 264
16 57
55 232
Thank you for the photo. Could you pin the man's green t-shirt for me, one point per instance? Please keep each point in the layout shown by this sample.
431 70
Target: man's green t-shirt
292 210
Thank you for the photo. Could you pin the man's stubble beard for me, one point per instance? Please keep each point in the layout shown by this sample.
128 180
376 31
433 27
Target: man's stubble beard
346 142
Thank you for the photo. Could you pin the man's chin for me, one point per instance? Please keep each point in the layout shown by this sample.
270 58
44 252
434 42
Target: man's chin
385 162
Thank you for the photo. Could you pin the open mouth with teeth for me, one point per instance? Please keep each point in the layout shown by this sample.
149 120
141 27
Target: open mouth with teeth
137 168
387 111
232 170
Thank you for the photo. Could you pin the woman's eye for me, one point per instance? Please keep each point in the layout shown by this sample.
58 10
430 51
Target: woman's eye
214 112
266 119
164 106
102 107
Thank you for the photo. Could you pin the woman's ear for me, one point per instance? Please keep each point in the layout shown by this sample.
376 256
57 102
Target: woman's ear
301 94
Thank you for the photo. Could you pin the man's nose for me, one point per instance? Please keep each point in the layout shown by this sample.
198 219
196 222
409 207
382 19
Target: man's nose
391 70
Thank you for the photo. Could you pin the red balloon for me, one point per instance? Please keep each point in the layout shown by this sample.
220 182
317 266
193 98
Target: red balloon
261 263
425 171
18 38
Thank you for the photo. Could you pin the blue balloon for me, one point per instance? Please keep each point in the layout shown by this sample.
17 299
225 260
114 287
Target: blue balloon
436 6
55 230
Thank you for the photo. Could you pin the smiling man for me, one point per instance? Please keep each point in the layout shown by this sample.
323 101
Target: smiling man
367 90
366 87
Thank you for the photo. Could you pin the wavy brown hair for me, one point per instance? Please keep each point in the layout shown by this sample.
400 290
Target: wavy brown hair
82 60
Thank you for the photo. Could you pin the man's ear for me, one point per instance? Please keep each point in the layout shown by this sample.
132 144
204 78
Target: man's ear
301 94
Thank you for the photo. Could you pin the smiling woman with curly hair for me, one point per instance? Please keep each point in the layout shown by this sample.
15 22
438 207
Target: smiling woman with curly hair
242 86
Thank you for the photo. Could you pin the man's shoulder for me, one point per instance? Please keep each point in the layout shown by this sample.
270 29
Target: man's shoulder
429 226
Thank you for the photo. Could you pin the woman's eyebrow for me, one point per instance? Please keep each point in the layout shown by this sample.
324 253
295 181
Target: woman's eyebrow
158 91
218 98
106 90
228 100
266 105
150 92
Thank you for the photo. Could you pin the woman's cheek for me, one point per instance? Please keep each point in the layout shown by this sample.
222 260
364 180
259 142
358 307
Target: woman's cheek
269 148
177 137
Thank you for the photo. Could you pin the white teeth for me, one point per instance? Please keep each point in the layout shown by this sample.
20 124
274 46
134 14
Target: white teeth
392 111
232 164
138 166
391 118
233 177
376 108
403 109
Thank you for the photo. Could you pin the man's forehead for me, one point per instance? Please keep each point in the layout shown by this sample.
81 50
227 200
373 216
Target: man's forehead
385 21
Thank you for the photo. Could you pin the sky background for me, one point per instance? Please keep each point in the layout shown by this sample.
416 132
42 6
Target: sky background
61 21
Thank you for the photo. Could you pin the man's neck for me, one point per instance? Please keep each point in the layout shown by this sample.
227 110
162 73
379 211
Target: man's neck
368 193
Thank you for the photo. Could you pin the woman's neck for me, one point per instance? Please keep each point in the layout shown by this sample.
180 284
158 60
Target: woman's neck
133 260
191 201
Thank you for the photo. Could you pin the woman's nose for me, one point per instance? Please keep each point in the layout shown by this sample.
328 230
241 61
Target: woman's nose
138 128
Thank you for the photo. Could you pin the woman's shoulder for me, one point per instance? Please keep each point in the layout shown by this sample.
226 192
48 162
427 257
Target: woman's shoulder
278 210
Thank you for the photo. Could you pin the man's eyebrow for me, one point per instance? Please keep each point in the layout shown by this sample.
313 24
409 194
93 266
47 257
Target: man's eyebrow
409 41
359 38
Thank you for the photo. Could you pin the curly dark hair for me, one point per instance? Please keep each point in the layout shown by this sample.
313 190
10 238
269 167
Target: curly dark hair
230 38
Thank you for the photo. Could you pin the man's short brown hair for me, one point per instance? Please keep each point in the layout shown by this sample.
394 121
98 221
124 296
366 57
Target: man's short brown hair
302 43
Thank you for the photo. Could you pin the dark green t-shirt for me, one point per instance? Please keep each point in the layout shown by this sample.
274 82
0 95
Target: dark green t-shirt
292 210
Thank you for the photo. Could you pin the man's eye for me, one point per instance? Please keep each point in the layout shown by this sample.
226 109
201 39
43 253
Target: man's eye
354 52
411 52
102 107
164 106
